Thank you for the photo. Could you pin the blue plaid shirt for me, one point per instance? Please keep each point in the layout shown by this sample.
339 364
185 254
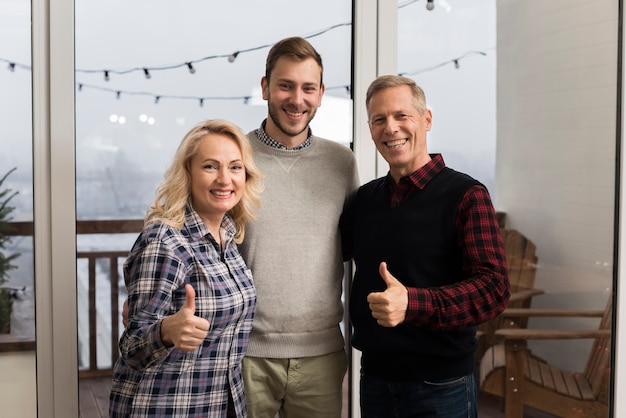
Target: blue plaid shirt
152 380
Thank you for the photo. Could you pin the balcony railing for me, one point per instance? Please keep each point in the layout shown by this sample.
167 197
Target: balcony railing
114 260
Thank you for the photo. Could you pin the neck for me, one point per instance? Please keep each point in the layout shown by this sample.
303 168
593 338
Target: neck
399 172
287 140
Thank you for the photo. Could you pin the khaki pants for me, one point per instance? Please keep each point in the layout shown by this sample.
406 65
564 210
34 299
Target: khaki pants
308 387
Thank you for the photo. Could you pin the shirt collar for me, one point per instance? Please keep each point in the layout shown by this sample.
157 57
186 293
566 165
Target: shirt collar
423 175
269 141
196 226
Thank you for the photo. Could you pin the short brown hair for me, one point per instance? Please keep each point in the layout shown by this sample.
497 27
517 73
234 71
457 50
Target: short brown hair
296 48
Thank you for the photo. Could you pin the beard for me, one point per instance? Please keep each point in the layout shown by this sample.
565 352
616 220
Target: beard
275 113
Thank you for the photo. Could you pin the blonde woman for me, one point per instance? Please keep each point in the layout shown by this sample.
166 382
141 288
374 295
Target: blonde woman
191 298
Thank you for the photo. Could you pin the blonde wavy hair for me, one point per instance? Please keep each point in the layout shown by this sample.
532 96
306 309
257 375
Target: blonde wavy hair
174 192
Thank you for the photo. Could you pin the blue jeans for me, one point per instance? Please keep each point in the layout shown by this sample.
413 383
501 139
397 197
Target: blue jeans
449 398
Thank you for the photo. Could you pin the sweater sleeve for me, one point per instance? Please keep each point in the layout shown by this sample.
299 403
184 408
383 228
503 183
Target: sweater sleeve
485 291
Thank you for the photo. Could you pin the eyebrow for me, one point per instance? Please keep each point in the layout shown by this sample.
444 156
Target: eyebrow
213 160
290 81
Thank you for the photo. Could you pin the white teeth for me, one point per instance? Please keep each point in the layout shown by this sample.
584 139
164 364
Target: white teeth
395 144
294 114
221 193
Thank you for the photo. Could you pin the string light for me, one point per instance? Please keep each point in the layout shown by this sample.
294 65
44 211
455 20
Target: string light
430 4
245 99
189 64
12 65
454 61
158 97
232 57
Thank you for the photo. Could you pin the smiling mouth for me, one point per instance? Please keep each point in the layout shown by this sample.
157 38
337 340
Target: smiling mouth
396 144
221 193
294 114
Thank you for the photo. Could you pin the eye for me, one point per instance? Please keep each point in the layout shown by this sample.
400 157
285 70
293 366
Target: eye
209 166
378 121
401 116
237 167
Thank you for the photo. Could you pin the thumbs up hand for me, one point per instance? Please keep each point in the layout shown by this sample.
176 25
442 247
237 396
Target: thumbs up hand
184 329
389 307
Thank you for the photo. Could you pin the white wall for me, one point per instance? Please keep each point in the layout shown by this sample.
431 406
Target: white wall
18 373
555 158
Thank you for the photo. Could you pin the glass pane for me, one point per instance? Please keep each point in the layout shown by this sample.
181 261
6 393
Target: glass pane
141 85
18 394
535 121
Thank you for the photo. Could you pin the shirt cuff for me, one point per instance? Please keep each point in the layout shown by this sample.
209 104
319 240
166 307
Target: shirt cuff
412 309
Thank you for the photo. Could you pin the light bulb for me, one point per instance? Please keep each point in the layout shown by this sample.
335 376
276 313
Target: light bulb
233 56
430 5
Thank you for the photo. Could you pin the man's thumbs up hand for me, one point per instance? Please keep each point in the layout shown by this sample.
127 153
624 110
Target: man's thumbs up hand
184 329
389 307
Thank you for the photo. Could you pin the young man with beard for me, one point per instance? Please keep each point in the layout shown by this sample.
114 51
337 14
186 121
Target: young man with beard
296 358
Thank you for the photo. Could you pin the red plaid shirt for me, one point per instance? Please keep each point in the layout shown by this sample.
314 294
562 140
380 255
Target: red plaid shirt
472 301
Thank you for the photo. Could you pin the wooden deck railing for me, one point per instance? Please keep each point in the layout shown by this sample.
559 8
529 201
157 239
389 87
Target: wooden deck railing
115 259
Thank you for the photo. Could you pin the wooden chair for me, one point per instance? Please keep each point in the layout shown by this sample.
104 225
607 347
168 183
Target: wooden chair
509 370
522 263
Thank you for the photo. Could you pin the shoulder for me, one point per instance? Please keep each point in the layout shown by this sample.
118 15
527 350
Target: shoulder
159 238
328 146
252 134
458 178
371 187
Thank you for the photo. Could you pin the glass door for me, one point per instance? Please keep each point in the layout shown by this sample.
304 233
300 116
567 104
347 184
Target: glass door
18 391
141 84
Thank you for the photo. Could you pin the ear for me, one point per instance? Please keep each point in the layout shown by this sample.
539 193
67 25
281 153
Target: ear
429 119
322 90
265 88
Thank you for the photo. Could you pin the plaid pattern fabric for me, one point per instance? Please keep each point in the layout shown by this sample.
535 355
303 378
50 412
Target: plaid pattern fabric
466 303
268 140
151 380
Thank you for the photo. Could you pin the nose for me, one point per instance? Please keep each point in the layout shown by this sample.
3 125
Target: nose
222 175
297 97
391 126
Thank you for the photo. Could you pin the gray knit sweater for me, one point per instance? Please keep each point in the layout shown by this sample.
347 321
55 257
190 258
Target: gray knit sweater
294 248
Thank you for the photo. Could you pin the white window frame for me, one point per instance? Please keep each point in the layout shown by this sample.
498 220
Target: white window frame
375 40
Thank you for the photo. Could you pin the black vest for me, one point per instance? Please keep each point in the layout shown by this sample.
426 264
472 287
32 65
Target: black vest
418 241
